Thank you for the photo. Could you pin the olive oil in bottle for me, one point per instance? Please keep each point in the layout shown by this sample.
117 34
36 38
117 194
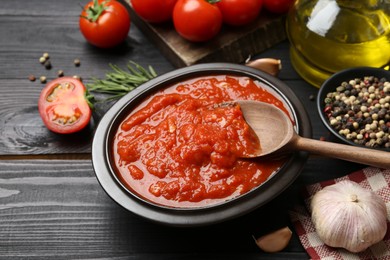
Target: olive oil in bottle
330 35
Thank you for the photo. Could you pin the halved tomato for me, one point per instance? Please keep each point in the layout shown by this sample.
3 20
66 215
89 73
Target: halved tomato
63 105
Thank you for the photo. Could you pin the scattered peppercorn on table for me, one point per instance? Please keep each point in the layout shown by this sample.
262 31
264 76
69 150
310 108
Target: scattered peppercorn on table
52 206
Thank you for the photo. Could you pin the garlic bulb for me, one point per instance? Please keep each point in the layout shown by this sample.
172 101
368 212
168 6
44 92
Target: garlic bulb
347 215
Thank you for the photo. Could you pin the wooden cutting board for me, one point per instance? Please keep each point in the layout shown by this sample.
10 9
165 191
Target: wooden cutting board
233 44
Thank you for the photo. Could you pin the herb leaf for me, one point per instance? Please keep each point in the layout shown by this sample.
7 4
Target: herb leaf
119 82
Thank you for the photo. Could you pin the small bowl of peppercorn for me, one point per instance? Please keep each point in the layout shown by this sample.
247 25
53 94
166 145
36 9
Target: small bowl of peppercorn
354 104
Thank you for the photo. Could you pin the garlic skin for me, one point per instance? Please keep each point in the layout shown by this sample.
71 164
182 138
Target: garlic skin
348 216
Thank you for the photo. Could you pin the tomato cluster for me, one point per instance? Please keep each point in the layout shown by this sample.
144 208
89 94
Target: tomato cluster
106 24
201 20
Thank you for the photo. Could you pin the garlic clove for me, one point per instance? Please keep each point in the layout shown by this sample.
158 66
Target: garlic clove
274 241
268 65
348 216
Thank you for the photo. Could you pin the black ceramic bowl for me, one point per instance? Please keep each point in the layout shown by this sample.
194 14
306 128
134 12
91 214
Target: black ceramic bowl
190 217
333 82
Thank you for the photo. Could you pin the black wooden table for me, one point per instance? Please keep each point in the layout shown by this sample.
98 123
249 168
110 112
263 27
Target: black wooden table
51 205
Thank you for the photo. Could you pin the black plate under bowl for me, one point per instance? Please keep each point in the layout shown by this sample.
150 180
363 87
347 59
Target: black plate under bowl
333 82
190 217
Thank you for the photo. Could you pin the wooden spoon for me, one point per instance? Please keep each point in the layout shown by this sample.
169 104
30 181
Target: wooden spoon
276 134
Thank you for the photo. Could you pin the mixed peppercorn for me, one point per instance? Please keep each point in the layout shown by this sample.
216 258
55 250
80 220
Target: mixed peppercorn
45 61
359 110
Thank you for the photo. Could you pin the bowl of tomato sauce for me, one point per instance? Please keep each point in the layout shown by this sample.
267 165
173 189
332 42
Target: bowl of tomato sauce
171 153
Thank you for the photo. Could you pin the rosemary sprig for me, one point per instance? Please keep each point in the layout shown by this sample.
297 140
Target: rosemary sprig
119 82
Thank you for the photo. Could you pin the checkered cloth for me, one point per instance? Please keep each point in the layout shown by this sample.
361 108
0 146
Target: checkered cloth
373 179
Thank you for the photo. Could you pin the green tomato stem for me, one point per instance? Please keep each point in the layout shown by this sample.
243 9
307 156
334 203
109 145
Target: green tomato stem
95 11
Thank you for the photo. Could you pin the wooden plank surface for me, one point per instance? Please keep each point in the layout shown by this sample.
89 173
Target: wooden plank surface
57 209
232 44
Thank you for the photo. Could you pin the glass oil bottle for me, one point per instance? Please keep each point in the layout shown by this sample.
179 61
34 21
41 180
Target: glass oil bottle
330 35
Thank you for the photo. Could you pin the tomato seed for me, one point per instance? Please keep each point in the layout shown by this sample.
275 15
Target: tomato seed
63 120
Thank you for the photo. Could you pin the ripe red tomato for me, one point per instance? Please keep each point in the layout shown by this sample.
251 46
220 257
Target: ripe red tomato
278 6
154 11
197 20
104 24
239 12
63 106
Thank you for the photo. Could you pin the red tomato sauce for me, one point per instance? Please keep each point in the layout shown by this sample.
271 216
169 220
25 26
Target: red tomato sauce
179 149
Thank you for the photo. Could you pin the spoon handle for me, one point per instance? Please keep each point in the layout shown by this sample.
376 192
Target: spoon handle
376 158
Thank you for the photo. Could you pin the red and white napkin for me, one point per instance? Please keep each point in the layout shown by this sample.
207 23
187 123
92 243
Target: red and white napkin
377 180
